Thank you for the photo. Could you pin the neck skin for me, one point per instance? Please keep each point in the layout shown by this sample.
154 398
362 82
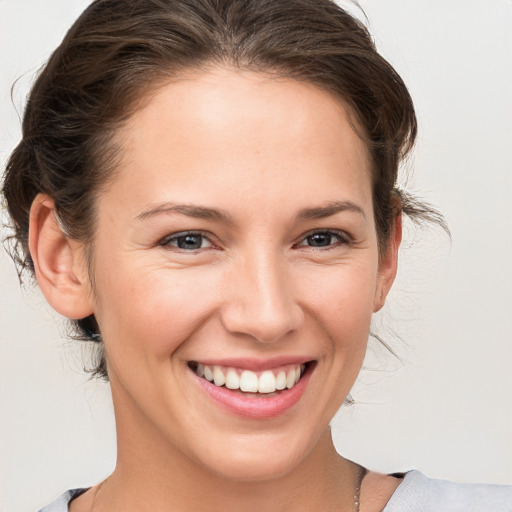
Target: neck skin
152 475
324 481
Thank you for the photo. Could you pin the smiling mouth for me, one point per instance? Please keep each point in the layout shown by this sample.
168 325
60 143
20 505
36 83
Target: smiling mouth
265 382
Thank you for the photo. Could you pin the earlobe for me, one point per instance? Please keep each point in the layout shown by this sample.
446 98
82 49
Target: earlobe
388 265
60 270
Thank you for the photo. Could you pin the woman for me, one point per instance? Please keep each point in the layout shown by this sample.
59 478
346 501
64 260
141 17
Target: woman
209 190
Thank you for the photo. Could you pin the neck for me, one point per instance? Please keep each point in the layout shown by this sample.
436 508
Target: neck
323 481
152 474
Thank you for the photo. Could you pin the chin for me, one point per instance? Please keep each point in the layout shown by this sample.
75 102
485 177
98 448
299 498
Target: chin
257 458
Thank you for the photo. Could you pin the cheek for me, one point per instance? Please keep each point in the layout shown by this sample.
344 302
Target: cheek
152 310
342 297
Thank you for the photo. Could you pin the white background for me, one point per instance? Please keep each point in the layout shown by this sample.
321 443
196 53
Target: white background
446 406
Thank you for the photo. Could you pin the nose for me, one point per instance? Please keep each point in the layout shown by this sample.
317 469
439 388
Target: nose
261 301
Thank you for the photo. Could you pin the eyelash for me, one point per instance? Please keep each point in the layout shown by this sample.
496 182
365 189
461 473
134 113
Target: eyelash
342 239
168 240
174 239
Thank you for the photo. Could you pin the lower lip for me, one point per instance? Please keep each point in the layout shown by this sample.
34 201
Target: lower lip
256 406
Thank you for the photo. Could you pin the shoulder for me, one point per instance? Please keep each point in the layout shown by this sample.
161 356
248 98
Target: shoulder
418 493
61 504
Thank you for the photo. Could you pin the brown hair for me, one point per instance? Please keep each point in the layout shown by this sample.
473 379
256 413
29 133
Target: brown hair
118 49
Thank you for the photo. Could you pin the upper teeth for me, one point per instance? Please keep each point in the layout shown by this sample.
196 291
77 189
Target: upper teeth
267 381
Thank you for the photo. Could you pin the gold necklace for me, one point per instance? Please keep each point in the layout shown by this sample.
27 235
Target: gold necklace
360 472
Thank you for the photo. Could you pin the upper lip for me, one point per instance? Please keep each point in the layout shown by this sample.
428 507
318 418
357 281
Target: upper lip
255 364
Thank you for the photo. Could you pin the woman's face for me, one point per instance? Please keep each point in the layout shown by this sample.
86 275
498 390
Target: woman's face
237 239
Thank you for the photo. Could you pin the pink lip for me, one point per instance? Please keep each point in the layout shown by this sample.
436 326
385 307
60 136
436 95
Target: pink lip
249 405
256 365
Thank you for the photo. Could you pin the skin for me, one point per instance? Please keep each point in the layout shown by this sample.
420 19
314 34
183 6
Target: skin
266 152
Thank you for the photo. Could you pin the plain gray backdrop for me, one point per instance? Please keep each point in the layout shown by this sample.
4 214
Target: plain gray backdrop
446 406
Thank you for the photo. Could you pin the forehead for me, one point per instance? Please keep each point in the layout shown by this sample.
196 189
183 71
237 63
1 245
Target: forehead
259 134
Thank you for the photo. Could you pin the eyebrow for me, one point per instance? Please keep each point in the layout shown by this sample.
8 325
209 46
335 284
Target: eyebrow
322 212
199 212
214 214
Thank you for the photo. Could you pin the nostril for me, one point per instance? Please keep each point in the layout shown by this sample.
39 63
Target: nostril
261 304
262 325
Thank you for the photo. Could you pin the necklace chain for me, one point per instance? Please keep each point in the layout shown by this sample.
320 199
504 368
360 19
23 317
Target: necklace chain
360 472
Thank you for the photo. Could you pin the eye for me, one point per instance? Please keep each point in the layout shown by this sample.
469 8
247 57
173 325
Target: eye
323 239
187 241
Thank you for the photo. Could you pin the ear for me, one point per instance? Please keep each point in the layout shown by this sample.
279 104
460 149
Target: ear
388 265
59 263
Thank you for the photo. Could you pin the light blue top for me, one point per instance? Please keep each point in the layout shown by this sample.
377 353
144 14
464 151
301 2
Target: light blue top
416 493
